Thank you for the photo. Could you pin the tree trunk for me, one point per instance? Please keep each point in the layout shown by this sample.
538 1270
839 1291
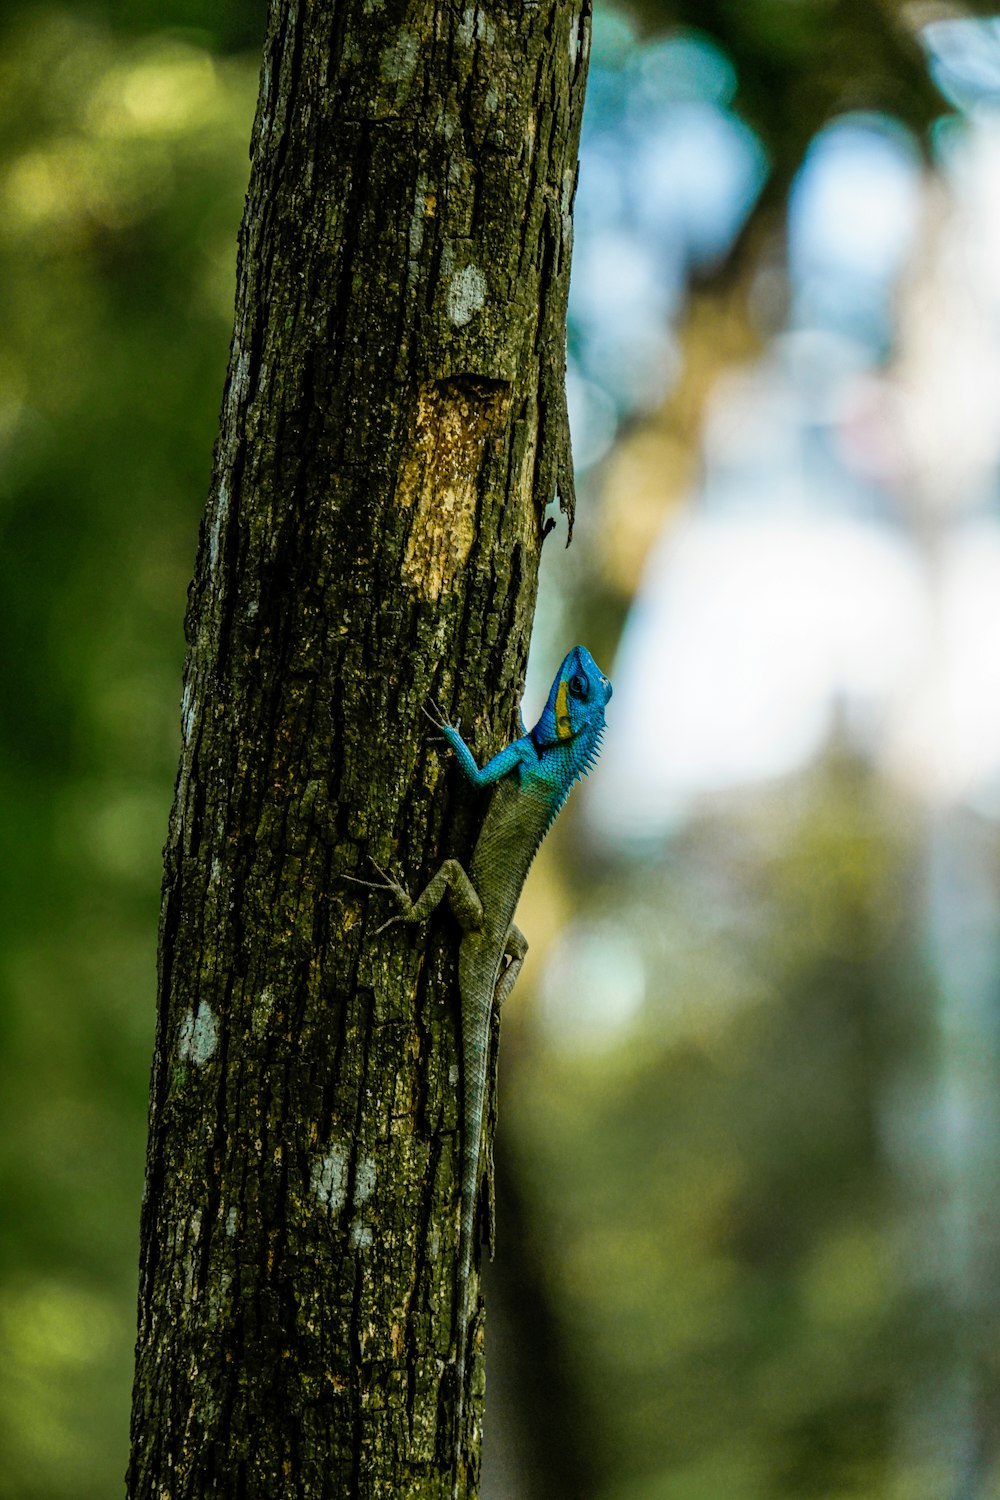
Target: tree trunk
393 428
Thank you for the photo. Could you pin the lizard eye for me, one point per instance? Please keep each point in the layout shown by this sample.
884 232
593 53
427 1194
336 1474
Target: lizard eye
578 686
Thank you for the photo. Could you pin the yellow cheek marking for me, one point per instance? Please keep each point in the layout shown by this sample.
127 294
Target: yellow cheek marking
563 727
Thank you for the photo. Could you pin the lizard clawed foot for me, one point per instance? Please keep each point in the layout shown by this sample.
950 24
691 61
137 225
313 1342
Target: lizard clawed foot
438 718
387 883
389 922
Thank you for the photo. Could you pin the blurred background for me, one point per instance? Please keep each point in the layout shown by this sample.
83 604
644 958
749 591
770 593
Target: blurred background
749 1156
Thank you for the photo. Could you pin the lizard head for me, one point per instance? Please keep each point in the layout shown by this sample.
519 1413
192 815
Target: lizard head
573 717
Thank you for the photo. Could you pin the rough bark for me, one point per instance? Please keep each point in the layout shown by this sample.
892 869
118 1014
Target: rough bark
393 428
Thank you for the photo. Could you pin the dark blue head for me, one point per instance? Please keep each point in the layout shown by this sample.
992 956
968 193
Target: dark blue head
572 722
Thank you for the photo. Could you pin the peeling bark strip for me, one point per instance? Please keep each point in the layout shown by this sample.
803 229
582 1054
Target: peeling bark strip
393 428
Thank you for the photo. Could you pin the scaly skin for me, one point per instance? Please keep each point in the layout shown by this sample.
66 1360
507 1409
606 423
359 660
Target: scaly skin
532 778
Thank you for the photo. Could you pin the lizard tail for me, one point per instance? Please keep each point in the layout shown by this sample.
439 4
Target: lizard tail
461 1340
476 1034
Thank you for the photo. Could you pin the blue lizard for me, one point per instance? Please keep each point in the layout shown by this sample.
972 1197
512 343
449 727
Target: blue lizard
531 778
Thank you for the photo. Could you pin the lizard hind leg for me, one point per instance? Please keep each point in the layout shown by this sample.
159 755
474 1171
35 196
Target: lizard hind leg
451 880
515 951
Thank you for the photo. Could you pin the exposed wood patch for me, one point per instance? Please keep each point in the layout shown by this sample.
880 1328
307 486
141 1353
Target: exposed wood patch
456 421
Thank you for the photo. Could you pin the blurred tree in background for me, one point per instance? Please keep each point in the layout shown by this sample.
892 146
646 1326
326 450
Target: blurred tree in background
747 1286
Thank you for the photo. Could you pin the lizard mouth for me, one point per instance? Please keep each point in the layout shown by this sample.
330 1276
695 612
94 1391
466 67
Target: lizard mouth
563 739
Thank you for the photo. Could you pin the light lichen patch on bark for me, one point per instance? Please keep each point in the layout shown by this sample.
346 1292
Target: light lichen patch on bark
329 1178
466 294
456 422
199 1036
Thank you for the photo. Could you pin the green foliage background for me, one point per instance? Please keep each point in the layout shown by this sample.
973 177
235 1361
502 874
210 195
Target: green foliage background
124 161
